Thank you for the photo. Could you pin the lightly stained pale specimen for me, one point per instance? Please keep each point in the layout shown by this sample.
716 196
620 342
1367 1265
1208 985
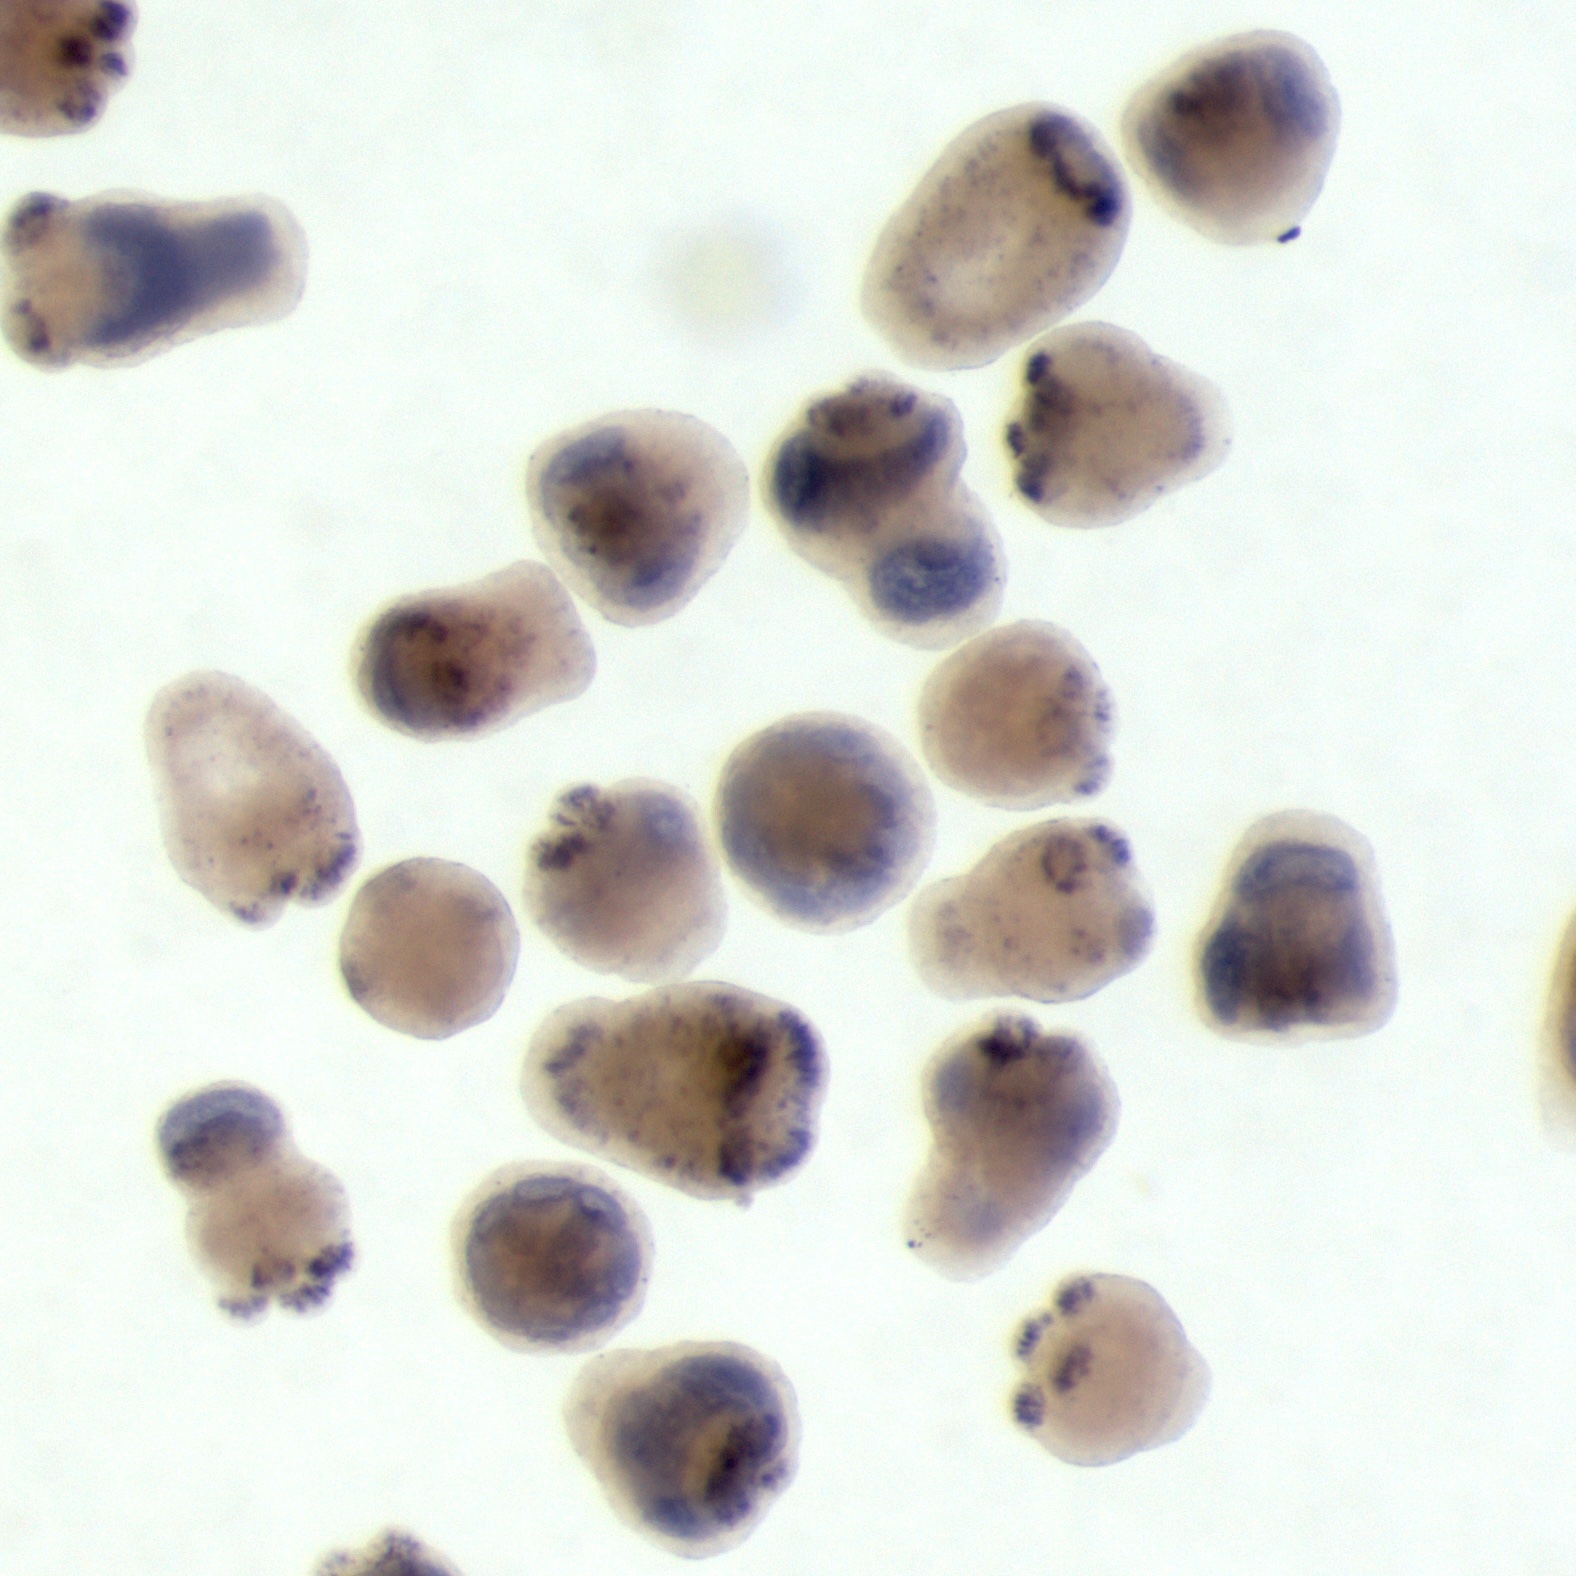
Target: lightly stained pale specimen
266 1223
691 1443
1237 136
1018 222
1110 1372
114 279
470 659
60 60
254 811
393 1554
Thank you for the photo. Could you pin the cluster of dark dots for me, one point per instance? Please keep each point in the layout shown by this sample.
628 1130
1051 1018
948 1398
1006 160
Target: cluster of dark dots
823 819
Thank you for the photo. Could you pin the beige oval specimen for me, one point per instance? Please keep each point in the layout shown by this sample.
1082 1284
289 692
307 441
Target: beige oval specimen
254 810
1018 717
1110 1372
114 279
1237 136
826 819
60 60
709 1088
1298 946
1017 1115
637 510
1053 913
1106 427
266 1223
470 659
691 1443
865 483
393 1554
1557 1061
622 880
1018 223
429 948
552 1259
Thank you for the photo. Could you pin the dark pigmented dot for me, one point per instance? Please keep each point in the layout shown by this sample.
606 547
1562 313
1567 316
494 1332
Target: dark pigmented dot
637 510
266 1224
469 659
1018 717
254 811
865 485
429 948
623 880
987 250
1052 913
111 20
826 820
711 1089
1237 136
118 278
1111 1374
1104 427
392 1554
1298 946
1017 1116
691 1443
552 1259
75 51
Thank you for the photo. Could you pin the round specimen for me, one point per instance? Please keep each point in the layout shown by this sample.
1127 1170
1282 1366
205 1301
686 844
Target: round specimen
691 1443
1018 1115
1109 1372
1053 913
429 948
265 1223
114 279
470 659
826 819
393 1554
254 811
637 510
1018 717
1298 946
1105 426
623 881
552 1259
865 484
709 1088
1237 136
60 60
1018 223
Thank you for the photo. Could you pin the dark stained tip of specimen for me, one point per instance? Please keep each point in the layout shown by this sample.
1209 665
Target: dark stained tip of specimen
1052 913
393 1554
865 484
1109 1372
429 948
114 279
1017 1116
1105 427
1018 222
709 1088
254 811
1298 946
623 881
691 1443
60 60
266 1224
1018 717
637 510
552 1259
826 819
469 659
1237 136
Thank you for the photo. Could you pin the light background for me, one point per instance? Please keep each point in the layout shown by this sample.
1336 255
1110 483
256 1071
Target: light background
1366 611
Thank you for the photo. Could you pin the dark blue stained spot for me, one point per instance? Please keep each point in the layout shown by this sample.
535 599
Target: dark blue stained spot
1230 964
927 579
1283 866
194 1131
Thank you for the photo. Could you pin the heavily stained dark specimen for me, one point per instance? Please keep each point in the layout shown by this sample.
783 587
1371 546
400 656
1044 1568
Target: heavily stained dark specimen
709 1088
692 1443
